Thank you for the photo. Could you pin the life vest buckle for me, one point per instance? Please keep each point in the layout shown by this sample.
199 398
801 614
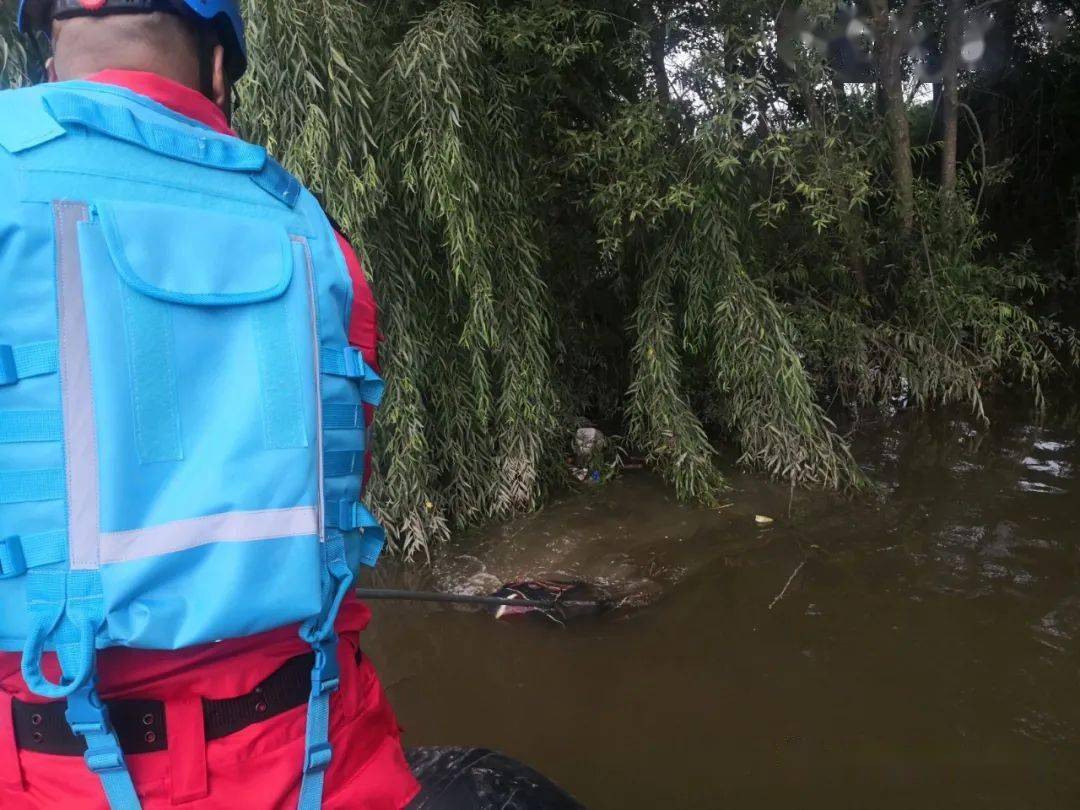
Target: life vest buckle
325 674
318 758
86 713
355 367
12 558
105 759
9 372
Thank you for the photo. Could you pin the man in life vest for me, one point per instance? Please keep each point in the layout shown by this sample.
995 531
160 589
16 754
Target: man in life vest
186 370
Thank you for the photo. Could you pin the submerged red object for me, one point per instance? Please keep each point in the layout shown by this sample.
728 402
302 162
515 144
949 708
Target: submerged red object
570 600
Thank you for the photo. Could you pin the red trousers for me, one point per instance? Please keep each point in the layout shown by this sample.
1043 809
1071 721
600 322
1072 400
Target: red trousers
258 768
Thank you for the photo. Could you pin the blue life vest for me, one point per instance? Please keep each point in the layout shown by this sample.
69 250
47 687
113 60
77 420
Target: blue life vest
181 416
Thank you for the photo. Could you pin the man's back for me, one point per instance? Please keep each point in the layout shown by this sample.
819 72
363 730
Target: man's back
155 274
194 312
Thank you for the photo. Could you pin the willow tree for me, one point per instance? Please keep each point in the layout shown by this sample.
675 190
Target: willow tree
410 134
420 116
14 57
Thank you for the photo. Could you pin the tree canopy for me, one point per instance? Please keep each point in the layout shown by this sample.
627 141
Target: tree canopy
698 224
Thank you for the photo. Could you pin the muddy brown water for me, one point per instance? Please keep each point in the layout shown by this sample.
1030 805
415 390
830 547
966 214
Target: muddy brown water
926 652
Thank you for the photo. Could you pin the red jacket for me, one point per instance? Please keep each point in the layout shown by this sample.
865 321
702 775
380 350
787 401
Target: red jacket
259 767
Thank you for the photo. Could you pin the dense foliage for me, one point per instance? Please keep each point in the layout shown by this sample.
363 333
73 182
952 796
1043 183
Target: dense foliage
702 224
15 64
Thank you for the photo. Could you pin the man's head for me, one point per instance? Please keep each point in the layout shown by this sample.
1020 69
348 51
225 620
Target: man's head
199 43
159 43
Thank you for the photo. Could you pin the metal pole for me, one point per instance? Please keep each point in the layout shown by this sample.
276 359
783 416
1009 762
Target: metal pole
463 599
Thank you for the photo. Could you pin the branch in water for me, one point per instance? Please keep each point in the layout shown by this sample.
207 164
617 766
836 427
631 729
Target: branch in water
787 585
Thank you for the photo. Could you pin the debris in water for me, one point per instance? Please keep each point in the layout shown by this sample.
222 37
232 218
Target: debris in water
569 599
787 585
763 520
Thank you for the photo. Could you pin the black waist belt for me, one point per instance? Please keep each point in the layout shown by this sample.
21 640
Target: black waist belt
140 724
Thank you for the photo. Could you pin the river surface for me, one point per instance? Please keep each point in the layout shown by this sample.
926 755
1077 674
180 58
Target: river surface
916 649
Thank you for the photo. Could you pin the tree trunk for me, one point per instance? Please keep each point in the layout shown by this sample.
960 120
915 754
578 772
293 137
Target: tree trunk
935 124
899 137
1076 247
951 100
1005 40
655 28
889 47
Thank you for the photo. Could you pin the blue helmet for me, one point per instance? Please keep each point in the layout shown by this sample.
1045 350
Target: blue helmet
224 15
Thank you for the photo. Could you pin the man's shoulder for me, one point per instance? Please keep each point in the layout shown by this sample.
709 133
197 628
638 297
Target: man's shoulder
24 120
26 89
21 95
17 97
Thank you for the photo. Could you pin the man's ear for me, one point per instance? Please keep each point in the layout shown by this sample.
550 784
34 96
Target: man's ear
50 69
222 86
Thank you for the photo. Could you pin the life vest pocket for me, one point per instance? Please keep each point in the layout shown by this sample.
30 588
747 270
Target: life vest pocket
181 256
202 355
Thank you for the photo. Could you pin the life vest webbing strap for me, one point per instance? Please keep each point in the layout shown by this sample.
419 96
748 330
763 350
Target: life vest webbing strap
31 486
274 180
342 417
30 426
29 360
180 142
21 553
337 463
89 718
337 583
350 516
348 362
325 679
